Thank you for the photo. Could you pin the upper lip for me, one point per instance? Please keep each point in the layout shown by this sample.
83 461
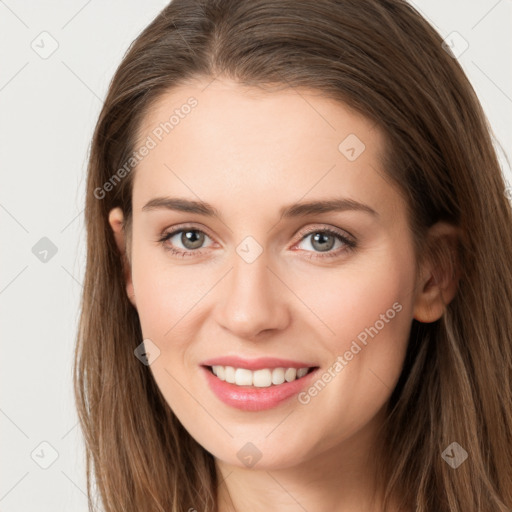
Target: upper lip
256 364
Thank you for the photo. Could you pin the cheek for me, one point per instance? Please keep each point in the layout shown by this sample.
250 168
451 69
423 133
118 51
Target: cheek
354 297
367 311
165 294
369 308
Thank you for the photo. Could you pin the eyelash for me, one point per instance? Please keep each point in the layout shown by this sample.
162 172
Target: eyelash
350 245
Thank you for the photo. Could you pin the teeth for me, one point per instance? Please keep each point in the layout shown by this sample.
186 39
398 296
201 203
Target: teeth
290 374
301 372
243 377
263 378
277 376
230 374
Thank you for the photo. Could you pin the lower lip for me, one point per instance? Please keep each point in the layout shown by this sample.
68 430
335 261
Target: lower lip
248 398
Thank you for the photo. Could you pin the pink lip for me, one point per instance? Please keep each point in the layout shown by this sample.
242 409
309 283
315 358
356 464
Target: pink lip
251 398
256 364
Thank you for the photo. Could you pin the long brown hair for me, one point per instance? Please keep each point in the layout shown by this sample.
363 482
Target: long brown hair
384 60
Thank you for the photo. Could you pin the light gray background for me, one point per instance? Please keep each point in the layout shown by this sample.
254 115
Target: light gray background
48 110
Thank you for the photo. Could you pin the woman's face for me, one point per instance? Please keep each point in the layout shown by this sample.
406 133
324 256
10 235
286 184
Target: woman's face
240 176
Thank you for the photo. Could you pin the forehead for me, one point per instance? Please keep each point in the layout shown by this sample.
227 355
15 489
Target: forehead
220 139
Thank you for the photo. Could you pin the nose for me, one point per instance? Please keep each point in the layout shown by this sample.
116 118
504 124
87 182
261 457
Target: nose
253 301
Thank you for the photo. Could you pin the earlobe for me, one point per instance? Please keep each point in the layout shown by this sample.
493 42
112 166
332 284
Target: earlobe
440 274
116 221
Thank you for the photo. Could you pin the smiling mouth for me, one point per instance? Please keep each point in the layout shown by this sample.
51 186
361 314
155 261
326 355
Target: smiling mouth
262 378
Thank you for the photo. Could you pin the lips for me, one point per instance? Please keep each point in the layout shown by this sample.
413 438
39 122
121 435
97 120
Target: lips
257 364
257 384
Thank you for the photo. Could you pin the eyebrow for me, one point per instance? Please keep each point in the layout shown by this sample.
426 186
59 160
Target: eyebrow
289 211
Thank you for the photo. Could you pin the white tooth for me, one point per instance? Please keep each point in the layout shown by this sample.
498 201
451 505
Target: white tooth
243 377
262 378
230 374
277 376
290 374
301 372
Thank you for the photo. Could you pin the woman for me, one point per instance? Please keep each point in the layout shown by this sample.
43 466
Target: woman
298 288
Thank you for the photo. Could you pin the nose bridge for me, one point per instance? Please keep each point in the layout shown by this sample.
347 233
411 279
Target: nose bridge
254 300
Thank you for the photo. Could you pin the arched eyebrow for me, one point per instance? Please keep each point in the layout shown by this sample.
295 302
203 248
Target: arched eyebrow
325 206
289 211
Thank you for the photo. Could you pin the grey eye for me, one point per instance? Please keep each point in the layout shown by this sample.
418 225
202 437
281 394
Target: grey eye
322 241
192 239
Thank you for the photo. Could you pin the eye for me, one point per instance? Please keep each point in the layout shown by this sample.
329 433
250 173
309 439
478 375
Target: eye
324 240
187 241
190 239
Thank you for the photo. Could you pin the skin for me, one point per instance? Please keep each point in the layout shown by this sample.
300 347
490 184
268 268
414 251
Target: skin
249 153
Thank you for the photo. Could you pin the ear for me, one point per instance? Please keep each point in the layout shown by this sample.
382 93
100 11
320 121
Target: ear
116 221
439 274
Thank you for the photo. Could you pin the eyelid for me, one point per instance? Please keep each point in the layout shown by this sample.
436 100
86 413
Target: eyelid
324 227
183 227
